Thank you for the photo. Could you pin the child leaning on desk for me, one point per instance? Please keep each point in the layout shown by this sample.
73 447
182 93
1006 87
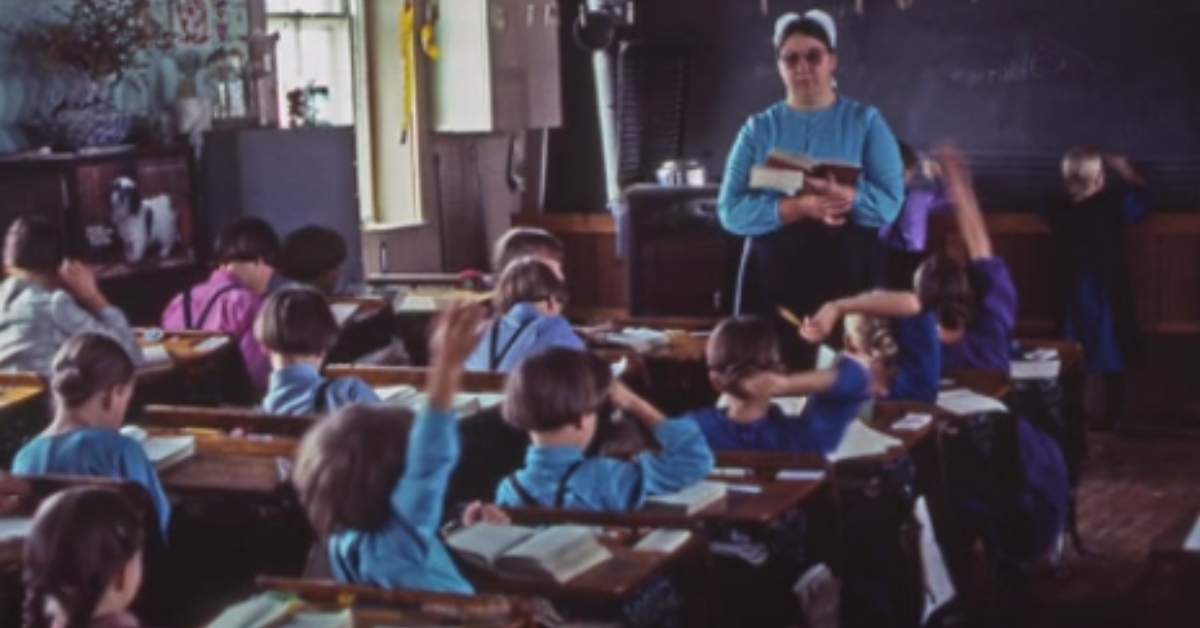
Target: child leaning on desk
373 479
93 382
555 396
297 328
744 363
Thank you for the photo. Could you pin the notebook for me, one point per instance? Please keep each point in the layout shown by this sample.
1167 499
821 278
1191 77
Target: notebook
861 441
962 402
664 541
912 422
164 451
688 501
556 554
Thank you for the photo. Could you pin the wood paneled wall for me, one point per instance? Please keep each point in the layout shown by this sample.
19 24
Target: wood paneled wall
598 278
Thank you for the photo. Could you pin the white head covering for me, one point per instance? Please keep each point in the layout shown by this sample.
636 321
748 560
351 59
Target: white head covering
822 19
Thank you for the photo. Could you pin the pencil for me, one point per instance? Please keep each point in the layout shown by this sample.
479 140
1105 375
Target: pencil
790 317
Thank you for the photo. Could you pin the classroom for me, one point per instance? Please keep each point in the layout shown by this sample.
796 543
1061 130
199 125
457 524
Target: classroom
599 313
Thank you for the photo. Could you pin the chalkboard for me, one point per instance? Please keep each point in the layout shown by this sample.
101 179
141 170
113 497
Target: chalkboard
1014 82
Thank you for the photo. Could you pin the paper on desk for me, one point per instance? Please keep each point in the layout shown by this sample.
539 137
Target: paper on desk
1045 353
800 475
963 402
209 345
15 527
156 355
1192 543
1035 369
912 422
861 441
939 589
343 311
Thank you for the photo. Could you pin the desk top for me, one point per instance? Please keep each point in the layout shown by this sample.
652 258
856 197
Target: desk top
184 348
210 472
18 389
614 579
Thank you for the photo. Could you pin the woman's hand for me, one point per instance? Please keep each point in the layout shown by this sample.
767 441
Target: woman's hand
823 200
479 512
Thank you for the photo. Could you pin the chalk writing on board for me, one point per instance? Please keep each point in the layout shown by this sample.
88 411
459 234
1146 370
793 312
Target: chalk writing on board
1045 61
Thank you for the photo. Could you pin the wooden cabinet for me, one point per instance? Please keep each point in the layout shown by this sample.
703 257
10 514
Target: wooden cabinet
499 67
127 214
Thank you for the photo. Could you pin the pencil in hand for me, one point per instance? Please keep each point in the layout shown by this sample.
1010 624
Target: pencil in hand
790 317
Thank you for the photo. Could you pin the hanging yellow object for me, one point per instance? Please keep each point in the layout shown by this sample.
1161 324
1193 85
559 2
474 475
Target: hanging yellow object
408 56
429 32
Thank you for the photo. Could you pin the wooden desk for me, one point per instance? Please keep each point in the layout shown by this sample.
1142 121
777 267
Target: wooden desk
448 281
23 412
224 420
404 607
17 390
414 376
772 500
1182 567
183 347
221 466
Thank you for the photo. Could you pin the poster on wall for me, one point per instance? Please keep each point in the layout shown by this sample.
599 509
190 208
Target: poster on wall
133 216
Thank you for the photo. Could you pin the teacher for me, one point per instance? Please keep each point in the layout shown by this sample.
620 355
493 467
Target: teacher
802 251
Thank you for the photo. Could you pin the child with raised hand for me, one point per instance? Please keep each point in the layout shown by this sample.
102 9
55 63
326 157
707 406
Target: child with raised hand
555 396
230 300
531 298
373 479
744 362
47 298
92 382
297 328
83 561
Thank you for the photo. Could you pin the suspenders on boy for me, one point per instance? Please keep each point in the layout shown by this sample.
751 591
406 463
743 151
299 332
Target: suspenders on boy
320 403
560 496
495 359
204 314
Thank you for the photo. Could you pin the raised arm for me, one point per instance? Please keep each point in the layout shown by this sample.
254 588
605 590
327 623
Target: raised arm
966 207
883 304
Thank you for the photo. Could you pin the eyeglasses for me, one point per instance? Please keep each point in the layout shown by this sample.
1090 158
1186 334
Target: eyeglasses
811 57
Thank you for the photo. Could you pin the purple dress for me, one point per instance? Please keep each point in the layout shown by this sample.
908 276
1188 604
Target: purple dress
989 336
910 231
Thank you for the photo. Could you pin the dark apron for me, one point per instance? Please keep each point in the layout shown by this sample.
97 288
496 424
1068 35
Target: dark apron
802 266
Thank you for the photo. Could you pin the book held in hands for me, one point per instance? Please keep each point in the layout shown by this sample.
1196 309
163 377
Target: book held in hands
556 554
789 173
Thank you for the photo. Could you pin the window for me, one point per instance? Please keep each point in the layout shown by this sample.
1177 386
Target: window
326 42
315 48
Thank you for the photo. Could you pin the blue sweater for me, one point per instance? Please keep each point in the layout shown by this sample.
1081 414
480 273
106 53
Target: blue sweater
293 390
407 552
848 131
539 332
819 429
97 453
919 368
607 484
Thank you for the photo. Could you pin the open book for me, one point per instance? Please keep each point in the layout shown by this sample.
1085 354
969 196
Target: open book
844 173
962 402
1035 369
664 541
861 441
15 528
163 451
558 553
690 500
465 404
639 339
272 611
208 345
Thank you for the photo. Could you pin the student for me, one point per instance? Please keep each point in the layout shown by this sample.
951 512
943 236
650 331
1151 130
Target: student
314 257
297 329
974 307
83 561
907 237
1089 224
522 242
744 362
555 395
46 299
230 300
93 381
531 297
373 479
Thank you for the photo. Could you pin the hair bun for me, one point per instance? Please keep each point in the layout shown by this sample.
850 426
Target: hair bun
70 385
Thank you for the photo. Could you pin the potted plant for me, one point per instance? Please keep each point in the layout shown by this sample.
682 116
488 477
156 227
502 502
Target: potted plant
94 45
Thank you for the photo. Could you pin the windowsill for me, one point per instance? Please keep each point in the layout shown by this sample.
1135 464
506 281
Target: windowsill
392 227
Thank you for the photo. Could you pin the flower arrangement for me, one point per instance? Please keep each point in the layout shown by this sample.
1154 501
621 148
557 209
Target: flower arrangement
104 40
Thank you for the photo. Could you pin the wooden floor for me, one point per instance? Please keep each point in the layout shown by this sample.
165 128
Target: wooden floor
1132 490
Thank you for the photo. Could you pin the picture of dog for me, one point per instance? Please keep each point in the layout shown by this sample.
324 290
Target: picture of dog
143 224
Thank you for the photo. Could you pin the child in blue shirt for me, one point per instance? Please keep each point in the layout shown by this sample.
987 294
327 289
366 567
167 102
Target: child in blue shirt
744 363
297 328
93 382
555 395
531 296
373 479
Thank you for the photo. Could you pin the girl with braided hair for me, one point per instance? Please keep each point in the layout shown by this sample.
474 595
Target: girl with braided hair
83 561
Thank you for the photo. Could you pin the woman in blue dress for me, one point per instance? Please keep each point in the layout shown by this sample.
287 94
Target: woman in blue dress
803 251
1089 224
